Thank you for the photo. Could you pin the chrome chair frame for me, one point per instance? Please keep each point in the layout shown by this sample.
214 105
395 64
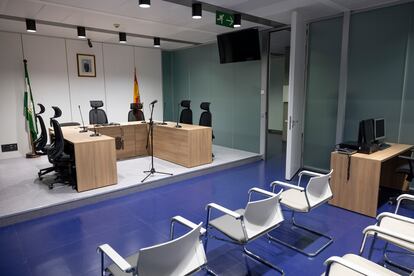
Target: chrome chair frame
395 216
107 250
372 230
240 217
297 225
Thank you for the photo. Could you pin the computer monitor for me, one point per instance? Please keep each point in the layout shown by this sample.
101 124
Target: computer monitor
379 129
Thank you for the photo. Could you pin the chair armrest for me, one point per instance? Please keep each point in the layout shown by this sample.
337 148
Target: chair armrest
405 197
393 216
309 173
115 257
224 210
187 223
261 191
285 185
385 232
409 158
401 198
347 264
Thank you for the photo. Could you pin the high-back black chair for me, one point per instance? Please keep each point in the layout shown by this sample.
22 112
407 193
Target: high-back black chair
186 116
205 117
136 114
97 115
41 141
62 162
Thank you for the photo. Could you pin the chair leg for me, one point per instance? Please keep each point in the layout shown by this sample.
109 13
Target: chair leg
209 271
311 254
391 262
261 260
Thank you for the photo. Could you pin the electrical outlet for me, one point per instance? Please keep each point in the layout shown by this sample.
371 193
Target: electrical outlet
8 147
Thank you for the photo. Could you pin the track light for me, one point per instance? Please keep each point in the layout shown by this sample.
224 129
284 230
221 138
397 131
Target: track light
237 20
90 43
81 32
30 25
144 3
157 42
197 10
122 38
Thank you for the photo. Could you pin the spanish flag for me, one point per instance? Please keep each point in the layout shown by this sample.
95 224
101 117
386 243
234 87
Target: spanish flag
137 98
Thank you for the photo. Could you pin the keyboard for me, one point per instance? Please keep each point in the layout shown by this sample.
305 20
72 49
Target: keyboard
383 146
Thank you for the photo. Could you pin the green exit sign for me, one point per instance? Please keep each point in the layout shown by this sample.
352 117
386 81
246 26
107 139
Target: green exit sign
224 19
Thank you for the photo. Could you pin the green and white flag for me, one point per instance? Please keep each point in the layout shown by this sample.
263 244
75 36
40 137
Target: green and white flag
29 110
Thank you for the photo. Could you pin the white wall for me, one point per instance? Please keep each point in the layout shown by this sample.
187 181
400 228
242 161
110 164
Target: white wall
11 93
148 64
119 75
53 74
48 73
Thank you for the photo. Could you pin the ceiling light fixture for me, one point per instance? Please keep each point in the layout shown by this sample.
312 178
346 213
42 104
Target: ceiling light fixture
81 32
144 3
30 25
197 10
157 42
237 20
122 38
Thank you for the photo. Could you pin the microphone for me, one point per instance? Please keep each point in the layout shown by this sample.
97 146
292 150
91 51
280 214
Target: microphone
153 102
178 115
83 128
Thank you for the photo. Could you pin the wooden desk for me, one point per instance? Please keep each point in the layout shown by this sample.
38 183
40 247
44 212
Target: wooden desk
367 173
189 146
95 159
133 135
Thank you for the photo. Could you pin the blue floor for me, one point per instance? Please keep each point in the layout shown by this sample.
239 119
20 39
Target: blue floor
65 243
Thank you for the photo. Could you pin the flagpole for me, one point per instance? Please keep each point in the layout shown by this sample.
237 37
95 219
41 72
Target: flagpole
28 89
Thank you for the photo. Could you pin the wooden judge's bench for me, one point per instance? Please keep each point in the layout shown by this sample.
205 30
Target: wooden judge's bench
95 156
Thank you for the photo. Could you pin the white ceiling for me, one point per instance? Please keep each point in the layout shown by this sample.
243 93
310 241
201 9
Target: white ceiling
163 19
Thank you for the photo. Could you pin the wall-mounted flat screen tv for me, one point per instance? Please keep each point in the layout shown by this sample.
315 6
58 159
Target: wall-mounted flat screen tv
239 46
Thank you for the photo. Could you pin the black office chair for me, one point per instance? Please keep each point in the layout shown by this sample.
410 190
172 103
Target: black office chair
406 169
136 114
186 116
41 141
205 117
97 115
63 164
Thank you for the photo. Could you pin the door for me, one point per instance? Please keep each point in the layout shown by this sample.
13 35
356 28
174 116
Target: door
296 96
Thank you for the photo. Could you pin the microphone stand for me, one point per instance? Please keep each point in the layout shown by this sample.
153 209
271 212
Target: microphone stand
163 116
83 127
151 133
178 115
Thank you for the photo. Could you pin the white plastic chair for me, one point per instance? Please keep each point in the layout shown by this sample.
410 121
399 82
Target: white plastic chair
181 256
245 225
399 226
351 264
304 200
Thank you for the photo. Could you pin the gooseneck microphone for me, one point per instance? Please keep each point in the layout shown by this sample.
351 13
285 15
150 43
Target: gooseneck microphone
154 102
178 115
83 128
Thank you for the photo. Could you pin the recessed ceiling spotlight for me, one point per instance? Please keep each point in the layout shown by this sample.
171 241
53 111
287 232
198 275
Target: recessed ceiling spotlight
197 10
122 38
81 32
237 20
157 42
30 25
144 3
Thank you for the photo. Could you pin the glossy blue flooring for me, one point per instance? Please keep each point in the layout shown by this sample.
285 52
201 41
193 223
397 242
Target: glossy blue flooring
65 243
